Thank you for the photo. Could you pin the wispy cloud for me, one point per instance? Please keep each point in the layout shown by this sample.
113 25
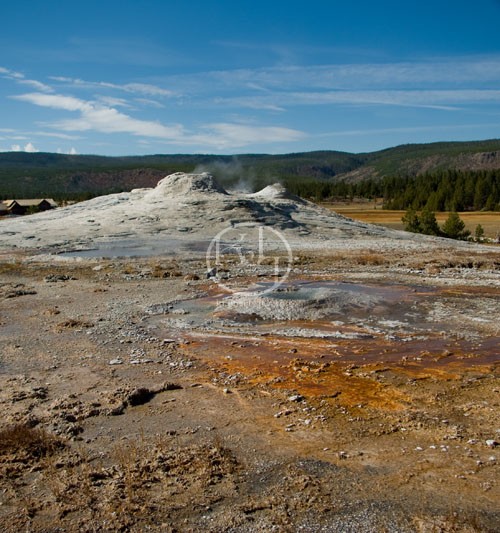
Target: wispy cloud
20 78
7 73
370 132
13 134
243 100
266 103
225 135
38 85
113 101
136 88
98 117
293 54
443 82
149 102
146 89
435 99
442 72
55 135
55 101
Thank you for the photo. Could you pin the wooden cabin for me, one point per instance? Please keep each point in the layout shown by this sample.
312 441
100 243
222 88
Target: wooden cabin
24 205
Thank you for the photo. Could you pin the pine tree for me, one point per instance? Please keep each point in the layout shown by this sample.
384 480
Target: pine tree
454 227
428 223
411 221
480 194
432 202
479 233
490 203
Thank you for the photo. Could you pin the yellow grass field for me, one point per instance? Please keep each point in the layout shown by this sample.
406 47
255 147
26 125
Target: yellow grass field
373 213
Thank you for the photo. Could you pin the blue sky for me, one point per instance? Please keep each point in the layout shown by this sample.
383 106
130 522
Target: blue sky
143 77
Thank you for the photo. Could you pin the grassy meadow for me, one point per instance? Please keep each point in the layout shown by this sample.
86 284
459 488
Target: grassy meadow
372 212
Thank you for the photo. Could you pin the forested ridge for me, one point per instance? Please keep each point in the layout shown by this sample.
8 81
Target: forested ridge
439 176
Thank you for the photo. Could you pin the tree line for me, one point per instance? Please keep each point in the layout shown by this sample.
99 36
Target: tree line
453 228
446 190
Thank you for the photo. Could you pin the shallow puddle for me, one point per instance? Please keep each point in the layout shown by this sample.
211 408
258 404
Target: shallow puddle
138 248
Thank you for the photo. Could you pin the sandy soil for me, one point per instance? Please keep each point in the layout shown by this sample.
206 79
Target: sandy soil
362 395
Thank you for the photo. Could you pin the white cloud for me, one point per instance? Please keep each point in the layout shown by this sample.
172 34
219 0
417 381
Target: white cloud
137 88
117 102
55 135
55 101
71 151
359 76
149 102
438 83
109 120
144 88
263 104
20 78
436 99
98 117
410 129
64 79
227 135
29 147
39 86
12 74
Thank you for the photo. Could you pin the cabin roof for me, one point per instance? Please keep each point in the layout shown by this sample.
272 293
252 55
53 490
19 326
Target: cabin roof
28 202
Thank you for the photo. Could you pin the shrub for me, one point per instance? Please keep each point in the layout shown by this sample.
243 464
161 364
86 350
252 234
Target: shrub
28 442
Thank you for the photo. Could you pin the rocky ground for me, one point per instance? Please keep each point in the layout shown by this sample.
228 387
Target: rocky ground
109 424
362 394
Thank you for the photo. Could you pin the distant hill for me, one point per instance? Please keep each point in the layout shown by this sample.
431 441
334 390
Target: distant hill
417 159
78 176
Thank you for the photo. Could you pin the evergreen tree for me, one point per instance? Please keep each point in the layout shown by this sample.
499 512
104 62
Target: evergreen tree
428 223
458 198
480 194
490 203
432 202
411 221
479 233
454 227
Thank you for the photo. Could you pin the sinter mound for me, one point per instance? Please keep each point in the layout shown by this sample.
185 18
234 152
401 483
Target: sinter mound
194 208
